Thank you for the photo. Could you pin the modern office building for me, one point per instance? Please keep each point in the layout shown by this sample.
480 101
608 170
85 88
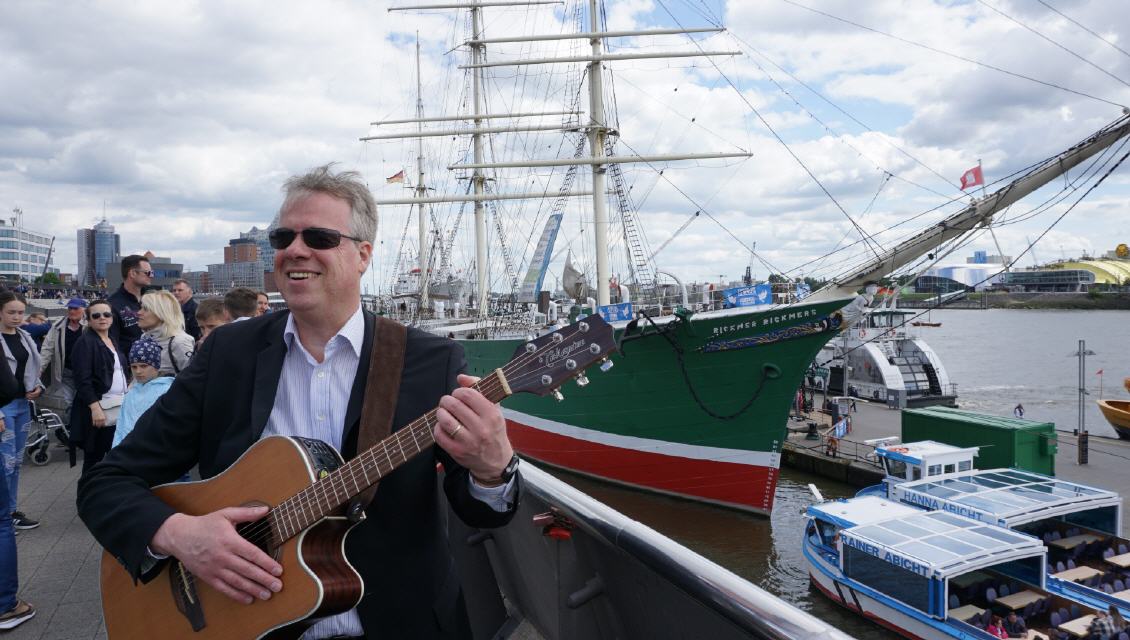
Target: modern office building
241 250
236 274
979 271
85 273
24 253
107 249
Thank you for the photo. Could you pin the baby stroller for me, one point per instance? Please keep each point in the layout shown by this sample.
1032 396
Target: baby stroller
44 424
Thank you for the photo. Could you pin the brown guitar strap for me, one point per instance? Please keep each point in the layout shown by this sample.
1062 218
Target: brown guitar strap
381 389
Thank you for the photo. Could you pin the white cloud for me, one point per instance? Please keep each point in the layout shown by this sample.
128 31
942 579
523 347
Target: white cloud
184 119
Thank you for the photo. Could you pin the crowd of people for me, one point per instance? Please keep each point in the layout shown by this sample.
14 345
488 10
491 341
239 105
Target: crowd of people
155 387
100 366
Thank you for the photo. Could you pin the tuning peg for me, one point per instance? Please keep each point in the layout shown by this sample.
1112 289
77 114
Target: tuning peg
582 380
605 365
557 395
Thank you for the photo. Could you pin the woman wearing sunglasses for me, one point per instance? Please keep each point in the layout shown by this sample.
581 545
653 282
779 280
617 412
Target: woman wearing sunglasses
101 375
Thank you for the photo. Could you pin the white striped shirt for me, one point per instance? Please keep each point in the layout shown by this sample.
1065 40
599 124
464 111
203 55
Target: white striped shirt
311 402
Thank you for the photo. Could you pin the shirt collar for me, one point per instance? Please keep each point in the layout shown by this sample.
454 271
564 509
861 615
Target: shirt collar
353 331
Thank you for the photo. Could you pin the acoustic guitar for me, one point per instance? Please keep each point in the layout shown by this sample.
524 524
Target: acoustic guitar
308 487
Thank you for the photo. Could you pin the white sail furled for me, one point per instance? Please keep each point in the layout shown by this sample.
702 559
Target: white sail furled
573 281
531 284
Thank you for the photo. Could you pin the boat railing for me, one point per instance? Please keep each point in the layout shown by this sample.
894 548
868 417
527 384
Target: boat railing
831 446
573 567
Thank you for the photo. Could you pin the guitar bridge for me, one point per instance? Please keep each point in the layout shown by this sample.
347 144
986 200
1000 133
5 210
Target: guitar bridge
185 596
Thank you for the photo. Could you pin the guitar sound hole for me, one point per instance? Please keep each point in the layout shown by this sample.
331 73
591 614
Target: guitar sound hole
258 533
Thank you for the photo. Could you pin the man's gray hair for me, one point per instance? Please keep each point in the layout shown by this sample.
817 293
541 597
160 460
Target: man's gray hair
346 185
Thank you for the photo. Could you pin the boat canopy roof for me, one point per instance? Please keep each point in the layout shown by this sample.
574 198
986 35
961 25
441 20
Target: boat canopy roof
926 451
857 511
941 545
1006 497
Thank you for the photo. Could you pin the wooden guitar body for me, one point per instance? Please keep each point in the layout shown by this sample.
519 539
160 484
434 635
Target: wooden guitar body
317 579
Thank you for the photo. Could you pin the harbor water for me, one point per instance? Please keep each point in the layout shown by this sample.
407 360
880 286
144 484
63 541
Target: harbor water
1002 357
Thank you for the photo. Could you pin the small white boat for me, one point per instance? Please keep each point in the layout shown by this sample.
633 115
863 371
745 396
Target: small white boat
932 574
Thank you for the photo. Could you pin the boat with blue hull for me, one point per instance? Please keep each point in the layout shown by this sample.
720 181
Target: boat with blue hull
1081 526
933 574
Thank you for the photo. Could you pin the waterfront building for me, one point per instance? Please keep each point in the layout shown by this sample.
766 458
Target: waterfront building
980 271
85 273
1070 276
236 274
107 250
23 251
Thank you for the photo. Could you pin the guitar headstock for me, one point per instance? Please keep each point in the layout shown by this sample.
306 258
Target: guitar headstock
541 366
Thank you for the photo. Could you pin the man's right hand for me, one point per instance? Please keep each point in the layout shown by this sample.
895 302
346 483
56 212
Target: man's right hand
214 552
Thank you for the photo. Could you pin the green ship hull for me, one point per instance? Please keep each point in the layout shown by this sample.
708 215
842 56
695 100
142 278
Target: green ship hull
696 408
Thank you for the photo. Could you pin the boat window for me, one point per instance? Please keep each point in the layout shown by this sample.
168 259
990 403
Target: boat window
1027 570
1103 519
965 465
917 473
895 468
813 535
901 584
935 470
950 468
879 534
828 533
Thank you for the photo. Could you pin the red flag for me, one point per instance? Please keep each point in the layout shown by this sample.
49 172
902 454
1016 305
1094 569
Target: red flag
399 177
1099 372
972 178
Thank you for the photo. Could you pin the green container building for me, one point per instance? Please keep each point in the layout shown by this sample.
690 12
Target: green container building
1003 442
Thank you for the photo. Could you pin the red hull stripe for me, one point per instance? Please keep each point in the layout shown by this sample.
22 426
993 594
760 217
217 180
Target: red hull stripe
743 486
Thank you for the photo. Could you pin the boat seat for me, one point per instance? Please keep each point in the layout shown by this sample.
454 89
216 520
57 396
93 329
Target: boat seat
1004 590
1055 535
1122 549
1059 568
1070 563
1056 619
1107 588
954 602
1109 553
990 595
1119 585
1074 611
1063 615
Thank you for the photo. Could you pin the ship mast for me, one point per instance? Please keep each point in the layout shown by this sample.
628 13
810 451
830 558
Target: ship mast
596 128
978 213
597 133
421 190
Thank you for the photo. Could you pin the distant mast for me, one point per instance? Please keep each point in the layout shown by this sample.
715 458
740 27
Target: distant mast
596 129
421 189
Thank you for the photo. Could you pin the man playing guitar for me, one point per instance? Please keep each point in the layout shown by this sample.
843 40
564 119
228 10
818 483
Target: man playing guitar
302 373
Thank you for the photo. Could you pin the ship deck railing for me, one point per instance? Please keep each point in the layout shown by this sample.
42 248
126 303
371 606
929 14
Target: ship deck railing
569 566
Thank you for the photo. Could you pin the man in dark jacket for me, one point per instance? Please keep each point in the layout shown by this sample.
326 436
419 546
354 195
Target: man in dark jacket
303 373
126 301
183 293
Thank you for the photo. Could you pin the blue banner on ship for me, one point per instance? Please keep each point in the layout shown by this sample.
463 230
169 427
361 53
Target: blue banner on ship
755 295
616 312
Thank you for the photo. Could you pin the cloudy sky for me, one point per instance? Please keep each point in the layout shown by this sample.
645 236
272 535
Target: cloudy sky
181 120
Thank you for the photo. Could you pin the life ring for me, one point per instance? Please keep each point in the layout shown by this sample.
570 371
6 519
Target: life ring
897 449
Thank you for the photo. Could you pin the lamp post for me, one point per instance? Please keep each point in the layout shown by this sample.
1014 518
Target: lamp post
1081 429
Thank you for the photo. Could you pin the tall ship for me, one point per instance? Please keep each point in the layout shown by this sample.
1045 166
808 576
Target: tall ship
697 404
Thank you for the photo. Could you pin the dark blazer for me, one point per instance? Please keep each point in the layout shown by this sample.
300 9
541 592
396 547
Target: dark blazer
218 407
92 365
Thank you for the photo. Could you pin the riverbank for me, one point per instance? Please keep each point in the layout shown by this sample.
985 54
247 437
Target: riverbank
1003 300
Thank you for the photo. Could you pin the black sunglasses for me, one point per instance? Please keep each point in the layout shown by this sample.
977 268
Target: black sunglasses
104 314
144 273
314 237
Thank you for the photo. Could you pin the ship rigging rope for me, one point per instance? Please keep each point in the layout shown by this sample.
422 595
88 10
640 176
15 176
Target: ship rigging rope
863 234
1018 257
1053 42
1084 28
953 55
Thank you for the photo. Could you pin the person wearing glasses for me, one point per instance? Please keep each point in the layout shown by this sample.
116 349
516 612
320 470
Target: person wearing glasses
101 373
126 301
302 372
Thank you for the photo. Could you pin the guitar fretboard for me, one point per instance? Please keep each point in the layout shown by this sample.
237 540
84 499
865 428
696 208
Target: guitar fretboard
307 507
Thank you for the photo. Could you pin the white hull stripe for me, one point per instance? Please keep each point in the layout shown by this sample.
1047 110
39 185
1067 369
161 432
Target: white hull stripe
647 445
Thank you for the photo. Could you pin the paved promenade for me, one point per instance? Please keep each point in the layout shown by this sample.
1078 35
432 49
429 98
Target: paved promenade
59 560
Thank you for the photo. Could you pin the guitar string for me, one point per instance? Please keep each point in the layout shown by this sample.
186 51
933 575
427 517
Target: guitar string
294 514
296 509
